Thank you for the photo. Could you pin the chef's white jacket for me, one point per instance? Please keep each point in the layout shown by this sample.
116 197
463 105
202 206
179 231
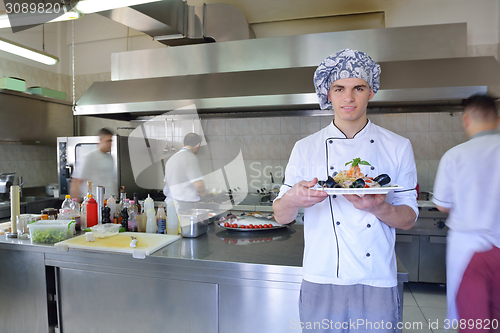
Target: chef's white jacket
468 182
344 245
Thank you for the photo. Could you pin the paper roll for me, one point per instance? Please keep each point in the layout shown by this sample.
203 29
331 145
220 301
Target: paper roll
15 207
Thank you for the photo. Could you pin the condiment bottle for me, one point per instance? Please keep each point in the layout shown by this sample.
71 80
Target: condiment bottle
75 213
91 213
105 218
112 206
83 214
151 222
124 219
172 219
161 219
132 216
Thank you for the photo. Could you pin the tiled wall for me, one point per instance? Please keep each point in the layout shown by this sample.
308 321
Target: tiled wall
36 164
266 143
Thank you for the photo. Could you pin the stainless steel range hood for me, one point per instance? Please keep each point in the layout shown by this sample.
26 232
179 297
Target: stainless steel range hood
424 65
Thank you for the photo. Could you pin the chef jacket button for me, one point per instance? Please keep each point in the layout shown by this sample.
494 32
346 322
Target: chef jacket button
334 196
338 223
372 141
367 254
330 141
331 167
373 168
368 225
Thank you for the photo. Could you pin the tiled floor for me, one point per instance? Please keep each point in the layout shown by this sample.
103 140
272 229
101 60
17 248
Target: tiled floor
424 308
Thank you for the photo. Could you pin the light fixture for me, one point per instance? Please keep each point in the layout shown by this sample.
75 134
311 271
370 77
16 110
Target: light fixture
27 52
93 6
81 8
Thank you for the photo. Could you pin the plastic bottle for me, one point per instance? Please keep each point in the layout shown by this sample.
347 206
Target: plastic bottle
64 212
151 221
172 219
75 213
83 212
91 213
132 215
148 203
112 206
161 220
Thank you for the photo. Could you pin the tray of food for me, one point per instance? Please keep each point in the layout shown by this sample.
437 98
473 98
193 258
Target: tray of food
249 222
352 181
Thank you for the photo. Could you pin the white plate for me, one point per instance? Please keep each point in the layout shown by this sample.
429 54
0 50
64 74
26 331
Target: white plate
247 220
370 190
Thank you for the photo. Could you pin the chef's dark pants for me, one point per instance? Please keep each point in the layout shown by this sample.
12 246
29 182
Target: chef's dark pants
353 308
478 297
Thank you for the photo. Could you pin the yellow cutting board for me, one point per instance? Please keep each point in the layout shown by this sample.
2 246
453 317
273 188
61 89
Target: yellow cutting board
146 243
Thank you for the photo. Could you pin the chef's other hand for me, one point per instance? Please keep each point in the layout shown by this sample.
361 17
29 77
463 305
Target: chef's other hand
300 195
368 202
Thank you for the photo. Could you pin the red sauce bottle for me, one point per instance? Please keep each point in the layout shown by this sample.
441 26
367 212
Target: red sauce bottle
91 213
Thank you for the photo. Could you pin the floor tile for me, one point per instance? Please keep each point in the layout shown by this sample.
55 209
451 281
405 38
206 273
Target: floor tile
414 320
408 299
434 315
429 295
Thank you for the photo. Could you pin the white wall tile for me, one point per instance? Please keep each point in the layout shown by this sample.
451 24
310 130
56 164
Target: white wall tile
395 122
420 143
215 127
290 125
271 146
440 143
309 125
287 143
423 174
457 121
418 122
252 147
234 126
271 125
234 144
325 121
217 146
441 122
377 119
252 126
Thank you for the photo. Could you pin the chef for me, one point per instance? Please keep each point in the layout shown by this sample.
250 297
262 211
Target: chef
183 178
468 187
97 167
349 264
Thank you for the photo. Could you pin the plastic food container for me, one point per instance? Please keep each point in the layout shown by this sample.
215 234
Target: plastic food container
105 230
45 232
194 222
70 223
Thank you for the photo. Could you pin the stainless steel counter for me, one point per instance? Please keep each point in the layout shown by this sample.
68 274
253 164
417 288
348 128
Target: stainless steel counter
213 283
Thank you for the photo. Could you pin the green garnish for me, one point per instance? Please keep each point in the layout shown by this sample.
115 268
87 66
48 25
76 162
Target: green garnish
122 229
357 161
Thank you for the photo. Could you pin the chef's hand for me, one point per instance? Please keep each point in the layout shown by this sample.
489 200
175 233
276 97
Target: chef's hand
300 195
368 203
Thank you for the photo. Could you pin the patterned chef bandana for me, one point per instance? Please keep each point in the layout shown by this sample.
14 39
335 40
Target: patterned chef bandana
341 65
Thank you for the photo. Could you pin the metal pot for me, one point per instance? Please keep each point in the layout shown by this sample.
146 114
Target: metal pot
49 189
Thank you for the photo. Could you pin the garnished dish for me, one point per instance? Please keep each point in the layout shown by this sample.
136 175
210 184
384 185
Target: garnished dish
249 222
353 181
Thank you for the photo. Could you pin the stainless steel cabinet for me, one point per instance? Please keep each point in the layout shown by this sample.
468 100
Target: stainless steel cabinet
23 305
128 303
407 249
424 257
432 263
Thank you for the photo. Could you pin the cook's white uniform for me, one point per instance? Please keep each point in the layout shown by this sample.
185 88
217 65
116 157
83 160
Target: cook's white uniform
468 182
181 171
99 168
344 245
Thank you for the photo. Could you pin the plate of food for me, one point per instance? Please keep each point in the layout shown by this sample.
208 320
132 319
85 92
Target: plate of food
352 181
250 222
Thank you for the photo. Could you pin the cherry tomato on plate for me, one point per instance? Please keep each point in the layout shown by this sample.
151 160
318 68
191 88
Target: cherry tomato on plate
366 186
226 224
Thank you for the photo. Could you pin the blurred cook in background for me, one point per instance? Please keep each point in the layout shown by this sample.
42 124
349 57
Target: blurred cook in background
183 177
97 167
467 187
